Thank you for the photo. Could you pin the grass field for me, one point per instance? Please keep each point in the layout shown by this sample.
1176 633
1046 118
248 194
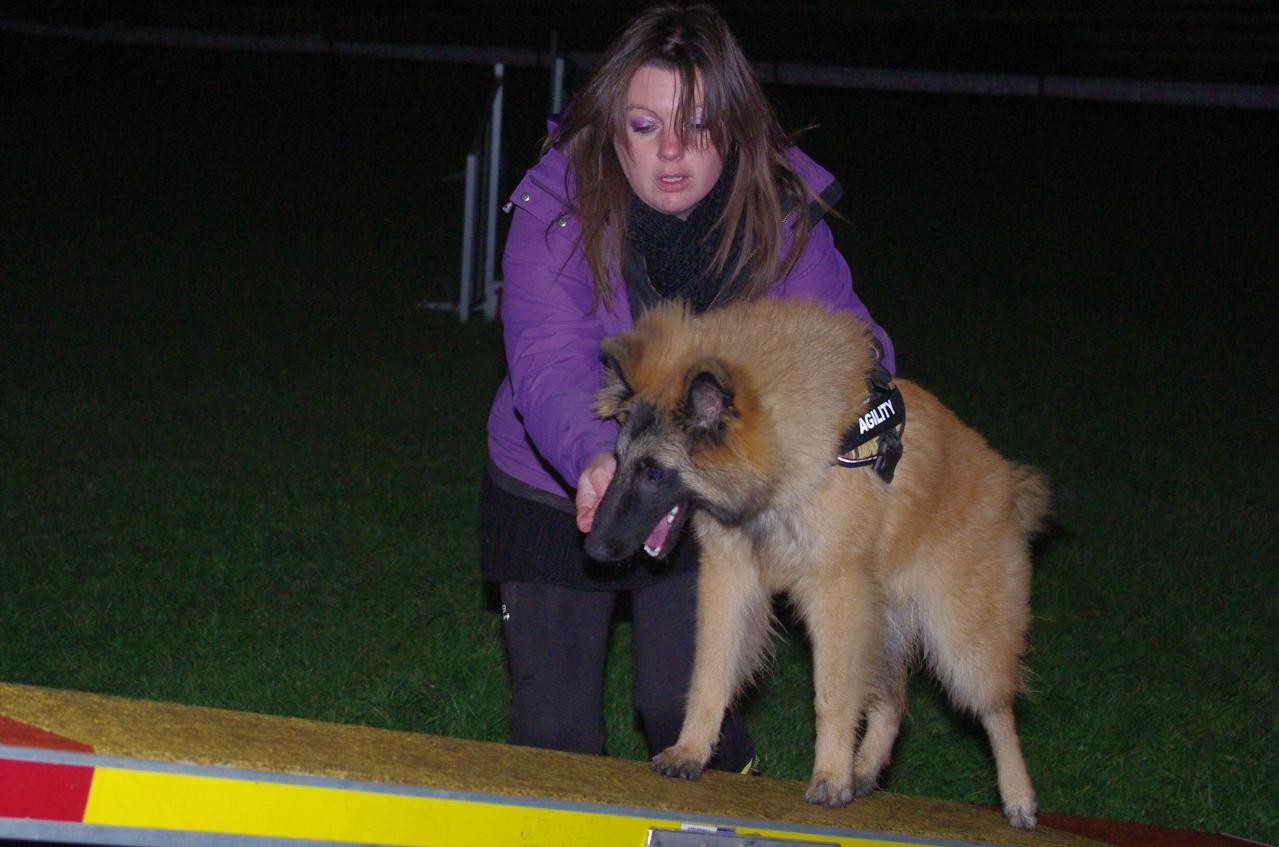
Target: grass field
239 468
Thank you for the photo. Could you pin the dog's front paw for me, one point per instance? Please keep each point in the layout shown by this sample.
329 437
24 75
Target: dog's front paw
678 762
864 785
1023 815
827 790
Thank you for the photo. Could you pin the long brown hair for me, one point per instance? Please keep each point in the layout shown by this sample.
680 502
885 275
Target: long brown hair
695 43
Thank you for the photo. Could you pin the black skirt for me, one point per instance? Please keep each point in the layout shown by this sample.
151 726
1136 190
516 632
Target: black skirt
523 540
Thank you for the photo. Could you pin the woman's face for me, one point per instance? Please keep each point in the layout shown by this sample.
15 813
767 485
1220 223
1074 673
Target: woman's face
663 172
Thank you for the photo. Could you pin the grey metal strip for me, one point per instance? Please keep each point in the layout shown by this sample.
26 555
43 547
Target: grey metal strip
58 832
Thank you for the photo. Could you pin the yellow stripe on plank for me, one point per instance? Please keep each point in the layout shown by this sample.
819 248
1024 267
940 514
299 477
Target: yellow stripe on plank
195 803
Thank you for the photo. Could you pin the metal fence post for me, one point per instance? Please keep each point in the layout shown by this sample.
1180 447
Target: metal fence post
494 172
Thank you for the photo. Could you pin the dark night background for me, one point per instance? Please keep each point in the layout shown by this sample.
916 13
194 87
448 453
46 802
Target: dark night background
238 466
1236 40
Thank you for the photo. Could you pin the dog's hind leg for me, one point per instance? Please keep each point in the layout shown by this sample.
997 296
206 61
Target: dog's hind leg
734 618
978 690
888 704
1020 806
841 610
974 635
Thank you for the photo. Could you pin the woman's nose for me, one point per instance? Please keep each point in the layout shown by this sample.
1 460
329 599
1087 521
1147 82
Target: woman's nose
672 148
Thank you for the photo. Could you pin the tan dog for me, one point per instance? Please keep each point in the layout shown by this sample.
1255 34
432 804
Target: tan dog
740 413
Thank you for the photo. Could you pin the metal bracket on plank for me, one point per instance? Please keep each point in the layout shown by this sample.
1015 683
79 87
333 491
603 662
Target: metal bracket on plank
697 835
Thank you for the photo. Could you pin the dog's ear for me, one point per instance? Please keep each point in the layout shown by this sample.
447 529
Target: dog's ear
708 399
617 354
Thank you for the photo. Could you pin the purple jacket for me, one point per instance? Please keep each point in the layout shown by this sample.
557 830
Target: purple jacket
541 428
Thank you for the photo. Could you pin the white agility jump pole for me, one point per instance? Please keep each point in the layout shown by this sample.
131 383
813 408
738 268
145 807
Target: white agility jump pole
557 86
468 235
488 175
557 74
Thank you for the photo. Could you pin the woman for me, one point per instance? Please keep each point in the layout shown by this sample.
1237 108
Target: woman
669 177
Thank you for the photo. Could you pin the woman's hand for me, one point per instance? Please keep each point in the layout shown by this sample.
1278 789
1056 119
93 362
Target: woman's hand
591 486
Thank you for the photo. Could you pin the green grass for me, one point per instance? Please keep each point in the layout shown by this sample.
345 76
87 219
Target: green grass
238 468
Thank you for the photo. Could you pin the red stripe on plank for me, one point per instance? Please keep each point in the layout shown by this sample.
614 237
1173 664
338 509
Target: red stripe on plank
25 735
44 791
1124 834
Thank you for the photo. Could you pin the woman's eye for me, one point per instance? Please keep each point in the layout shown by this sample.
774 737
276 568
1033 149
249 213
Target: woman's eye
643 129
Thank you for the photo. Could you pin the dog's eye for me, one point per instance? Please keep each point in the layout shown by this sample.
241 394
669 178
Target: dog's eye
651 472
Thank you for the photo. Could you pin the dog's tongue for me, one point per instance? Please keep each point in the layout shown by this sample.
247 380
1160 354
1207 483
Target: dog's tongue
657 538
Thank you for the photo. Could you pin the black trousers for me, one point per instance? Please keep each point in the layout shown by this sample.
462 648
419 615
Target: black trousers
557 640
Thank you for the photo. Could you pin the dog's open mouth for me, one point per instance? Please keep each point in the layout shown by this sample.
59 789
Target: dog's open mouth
666 533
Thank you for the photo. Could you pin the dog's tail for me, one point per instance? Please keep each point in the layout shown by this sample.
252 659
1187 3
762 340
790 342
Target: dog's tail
1032 498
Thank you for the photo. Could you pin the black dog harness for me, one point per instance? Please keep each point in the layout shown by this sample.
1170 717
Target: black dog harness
875 439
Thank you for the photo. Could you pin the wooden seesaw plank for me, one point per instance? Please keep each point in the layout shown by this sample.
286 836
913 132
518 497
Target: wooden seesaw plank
95 769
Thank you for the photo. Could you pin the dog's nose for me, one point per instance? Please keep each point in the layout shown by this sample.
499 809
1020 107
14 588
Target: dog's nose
601 549
594 546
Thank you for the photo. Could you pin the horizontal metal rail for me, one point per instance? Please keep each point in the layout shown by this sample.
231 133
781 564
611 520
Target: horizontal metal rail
1150 91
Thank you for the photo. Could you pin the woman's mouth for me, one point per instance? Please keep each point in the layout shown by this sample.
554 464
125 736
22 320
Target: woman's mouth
672 182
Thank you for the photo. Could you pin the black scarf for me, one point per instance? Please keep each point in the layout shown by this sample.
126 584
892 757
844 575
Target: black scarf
679 253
